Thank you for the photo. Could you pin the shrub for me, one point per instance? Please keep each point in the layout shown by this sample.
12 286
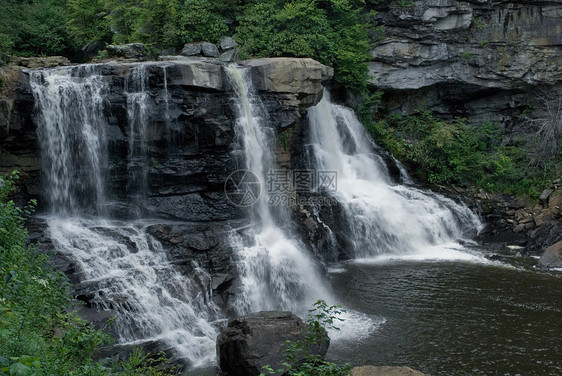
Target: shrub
299 357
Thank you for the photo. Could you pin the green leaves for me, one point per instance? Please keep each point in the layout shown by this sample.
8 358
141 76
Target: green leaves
331 31
459 153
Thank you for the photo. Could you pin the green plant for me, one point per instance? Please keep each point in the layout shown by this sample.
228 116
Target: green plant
459 153
299 356
477 23
467 55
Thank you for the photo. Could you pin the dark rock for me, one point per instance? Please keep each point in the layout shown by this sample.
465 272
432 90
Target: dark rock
552 257
229 56
479 60
209 50
253 341
227 43
91 49
128 51
191 49
545 195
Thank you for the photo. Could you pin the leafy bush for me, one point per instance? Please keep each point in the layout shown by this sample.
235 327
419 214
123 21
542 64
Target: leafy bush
299 357
456 152
35 27
331 31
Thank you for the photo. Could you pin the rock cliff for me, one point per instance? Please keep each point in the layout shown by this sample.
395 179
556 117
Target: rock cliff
479 59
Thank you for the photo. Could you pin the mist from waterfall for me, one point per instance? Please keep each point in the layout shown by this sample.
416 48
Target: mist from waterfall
380 218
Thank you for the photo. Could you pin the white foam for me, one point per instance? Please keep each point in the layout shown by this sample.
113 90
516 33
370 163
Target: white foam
443 252
355 327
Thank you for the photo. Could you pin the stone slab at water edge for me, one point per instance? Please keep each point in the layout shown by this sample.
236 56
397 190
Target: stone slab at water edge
253 341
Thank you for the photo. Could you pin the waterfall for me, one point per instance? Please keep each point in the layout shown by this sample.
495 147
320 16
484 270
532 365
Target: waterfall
120 265
276 271
378 217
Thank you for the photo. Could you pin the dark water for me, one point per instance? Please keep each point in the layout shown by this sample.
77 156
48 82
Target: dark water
454 317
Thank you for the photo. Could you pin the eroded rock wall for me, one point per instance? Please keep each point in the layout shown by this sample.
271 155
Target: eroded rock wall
479 59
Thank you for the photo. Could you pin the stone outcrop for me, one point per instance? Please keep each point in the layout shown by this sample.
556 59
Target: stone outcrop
384 371
135 51
253 341
298 80
476 59
552 257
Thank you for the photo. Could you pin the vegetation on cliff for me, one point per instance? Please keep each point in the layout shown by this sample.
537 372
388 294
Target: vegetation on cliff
332 31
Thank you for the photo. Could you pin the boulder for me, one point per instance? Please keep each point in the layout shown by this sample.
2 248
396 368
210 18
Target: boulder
552 257
191 49
300 79
209 50
227 43
229 56
127 51
384 371
253 341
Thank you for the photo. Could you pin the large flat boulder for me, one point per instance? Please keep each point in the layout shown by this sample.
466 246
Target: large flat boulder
299 79
253 341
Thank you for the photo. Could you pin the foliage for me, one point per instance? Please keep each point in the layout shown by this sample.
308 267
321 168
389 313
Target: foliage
456 152
87 21
40 333
299 356
331 31
35 27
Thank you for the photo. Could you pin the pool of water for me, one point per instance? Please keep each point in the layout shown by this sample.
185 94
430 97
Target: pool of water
462 315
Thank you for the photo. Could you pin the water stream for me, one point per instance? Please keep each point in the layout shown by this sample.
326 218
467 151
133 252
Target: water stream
125 269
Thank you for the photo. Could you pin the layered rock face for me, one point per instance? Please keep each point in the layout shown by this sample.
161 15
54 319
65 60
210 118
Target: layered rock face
479 59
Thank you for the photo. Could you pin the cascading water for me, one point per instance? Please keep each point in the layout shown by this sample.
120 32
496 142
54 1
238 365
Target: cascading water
276 272
121 265
380 218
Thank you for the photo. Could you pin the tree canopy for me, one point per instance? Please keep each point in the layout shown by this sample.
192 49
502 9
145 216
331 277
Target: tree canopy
332 31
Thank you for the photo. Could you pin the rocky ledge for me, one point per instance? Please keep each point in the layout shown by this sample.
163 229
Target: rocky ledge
480 59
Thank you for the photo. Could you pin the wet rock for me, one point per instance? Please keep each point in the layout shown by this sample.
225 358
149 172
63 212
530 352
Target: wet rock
384 371
258 339
128 51
552 257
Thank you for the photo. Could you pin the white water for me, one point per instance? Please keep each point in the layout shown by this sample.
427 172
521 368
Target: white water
381 219
276 270
125 268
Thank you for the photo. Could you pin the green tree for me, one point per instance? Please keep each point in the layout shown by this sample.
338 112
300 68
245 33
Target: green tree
87 21
331 31
35 27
